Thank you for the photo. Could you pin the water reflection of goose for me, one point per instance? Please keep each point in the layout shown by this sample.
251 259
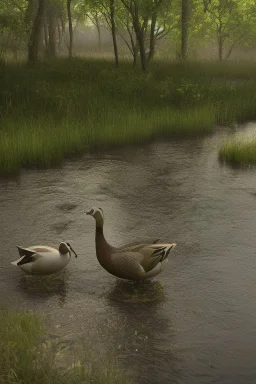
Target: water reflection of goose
132 262
44 260
142 332
134 292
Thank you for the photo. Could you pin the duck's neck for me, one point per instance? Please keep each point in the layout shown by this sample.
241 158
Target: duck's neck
103 249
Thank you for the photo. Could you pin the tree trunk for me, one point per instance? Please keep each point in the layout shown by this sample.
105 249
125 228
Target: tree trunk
52 33
46 42
135 51
220 48
30 13
99 32
59 35
143 57
152 40
184 28
135 56
70 27
133 47
141 42
35 35
140 37
62 25
113 30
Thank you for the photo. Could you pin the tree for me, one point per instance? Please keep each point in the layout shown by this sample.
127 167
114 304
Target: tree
228 22
144 14
108 10
55 18
113 29
13 30
96 18
126 31
70 27
96 11
184 28
35 35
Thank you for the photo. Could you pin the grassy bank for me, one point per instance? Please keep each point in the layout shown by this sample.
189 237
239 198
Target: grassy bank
25 358
239 152
50 111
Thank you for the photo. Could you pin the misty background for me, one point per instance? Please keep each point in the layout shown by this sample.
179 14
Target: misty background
178 29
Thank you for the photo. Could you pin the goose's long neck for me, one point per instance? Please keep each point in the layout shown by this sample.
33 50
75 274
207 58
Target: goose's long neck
103 249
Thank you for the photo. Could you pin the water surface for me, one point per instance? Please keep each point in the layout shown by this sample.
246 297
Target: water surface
194 323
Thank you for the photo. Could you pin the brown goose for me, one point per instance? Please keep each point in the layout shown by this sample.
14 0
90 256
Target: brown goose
132 262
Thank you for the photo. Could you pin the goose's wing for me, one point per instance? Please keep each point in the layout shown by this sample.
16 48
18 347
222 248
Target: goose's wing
127 265
137 245
155 253
140 259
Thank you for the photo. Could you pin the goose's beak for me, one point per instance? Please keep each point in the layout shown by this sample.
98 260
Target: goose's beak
89 212
73 251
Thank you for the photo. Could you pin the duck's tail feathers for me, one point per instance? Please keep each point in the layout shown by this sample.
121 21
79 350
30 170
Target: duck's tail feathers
17 261
26 256
25 251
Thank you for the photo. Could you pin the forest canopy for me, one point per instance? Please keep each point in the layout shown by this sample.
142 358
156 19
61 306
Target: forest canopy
136 29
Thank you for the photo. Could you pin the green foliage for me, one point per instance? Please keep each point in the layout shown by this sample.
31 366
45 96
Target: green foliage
242 152
183 92
228 22
27 357
13 29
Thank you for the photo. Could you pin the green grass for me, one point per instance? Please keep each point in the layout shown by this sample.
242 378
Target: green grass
58 108
26 357
239 152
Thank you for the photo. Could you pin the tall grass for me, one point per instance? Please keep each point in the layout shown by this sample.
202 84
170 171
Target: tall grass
50 111
241 152
25 357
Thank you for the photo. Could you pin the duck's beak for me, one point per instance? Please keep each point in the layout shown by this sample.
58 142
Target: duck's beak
89 212
73 251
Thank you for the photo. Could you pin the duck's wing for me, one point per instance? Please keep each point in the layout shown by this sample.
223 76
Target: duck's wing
25 251
27 256
42 249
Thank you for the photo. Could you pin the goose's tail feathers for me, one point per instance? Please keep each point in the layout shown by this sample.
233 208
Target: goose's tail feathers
163 250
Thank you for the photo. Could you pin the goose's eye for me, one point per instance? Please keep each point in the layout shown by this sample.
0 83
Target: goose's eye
68 244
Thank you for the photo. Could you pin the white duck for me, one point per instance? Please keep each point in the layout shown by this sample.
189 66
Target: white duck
133 261
44 260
